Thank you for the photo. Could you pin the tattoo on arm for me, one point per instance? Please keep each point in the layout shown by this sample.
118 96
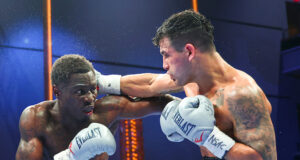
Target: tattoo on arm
253 125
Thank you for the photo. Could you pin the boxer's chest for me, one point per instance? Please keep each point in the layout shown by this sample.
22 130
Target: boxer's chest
56 139
223 121
222 114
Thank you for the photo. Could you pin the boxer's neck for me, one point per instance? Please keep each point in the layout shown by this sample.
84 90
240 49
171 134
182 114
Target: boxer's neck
212 72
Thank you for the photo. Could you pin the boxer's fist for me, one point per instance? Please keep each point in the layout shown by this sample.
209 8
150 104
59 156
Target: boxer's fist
195 118
108 84
88 143
196 122
167 124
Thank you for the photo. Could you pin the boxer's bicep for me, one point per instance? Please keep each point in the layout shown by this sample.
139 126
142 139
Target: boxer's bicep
252 123
32 149
30 146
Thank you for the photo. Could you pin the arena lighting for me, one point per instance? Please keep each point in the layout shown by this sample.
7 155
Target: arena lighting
195 5
296 0
131 140
47 49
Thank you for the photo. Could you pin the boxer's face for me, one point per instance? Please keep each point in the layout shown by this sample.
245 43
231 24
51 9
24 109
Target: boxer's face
79 95
174 62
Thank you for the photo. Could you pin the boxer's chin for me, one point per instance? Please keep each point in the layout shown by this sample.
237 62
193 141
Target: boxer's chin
172 77
178 82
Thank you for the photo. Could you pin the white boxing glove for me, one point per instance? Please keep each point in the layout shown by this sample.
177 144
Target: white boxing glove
195 121
108 84
166 121
88 143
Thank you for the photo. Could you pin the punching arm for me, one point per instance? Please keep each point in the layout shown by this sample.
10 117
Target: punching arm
121 107
148 85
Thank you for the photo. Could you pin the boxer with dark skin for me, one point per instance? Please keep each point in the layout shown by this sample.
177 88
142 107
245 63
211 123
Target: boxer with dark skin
242 110
48 127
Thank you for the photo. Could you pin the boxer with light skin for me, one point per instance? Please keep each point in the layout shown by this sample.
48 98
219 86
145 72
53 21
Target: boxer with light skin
47 128
241 109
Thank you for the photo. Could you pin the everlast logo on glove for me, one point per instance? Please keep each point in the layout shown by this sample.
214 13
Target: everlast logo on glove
89 135
185 127
166 113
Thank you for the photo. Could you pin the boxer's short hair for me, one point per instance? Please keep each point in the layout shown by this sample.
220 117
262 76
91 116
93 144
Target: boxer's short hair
67 65
187 27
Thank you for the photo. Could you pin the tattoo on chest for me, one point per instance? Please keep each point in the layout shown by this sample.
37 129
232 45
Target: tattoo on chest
219 97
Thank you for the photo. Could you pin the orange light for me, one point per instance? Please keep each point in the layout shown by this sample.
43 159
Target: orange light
47 49
195 5
135 155
131 140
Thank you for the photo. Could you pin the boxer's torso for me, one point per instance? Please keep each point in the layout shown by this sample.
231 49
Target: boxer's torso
55 136
220 99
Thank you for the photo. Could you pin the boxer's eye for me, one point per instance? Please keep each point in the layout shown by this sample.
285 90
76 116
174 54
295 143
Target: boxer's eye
80 92
93 90
166 55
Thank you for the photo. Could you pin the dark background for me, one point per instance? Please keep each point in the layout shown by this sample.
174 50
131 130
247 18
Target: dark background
116 37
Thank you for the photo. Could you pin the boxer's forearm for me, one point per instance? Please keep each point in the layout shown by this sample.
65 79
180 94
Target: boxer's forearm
147 85
241 151
144 106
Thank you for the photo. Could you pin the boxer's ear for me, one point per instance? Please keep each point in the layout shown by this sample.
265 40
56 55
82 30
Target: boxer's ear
190 49
56 91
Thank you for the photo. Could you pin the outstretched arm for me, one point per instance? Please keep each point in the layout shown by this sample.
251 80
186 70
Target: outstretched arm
137 85
148 84
253 127
30 146
121 107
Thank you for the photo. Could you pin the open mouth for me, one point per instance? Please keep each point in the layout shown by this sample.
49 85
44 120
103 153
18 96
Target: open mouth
88 110
89 113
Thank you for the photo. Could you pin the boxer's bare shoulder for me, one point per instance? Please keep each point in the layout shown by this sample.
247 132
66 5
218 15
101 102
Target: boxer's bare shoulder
242 111
34 116
31 120
250 113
